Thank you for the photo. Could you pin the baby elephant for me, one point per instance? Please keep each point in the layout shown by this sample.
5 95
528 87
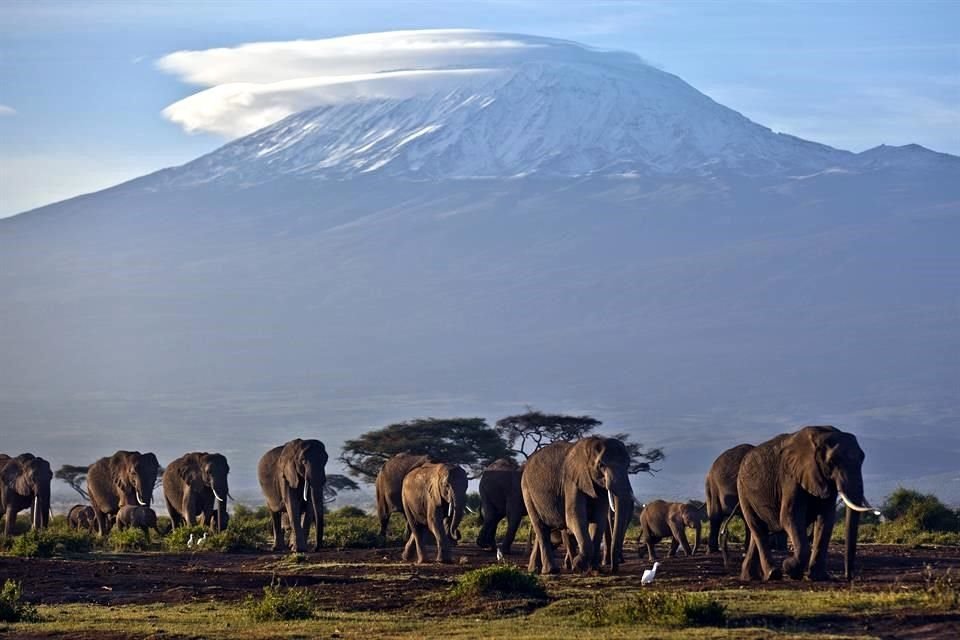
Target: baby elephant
143 518
81 517
661 519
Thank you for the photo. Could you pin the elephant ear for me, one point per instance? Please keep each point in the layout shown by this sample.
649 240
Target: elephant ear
288 466
581 462
801 453
435 488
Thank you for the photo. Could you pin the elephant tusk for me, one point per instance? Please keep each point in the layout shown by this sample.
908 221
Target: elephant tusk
469 510
140 499
219 499
306 492
610 498
449 509
851 505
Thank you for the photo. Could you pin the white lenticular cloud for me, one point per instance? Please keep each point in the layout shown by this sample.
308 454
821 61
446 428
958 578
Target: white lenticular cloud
253 85
7 110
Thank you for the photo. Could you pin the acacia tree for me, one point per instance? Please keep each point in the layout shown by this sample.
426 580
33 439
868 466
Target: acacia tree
75 476
527 432
468 442
335 484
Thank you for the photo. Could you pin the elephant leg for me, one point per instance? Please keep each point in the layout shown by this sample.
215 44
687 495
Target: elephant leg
542 545
101 520
275 516
713 542
513 523
750 570
174 515
651 542
822 529
794 522
674 545
408 549
298 543
487 539
583 560
597 533
440 535
758 543
9 520
418 532
679 538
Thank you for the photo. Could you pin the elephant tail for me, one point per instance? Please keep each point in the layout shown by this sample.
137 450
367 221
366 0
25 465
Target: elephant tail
723 533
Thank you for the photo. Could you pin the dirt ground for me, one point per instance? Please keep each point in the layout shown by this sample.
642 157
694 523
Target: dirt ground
377 580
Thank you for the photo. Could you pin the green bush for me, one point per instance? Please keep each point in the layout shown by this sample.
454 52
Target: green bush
348 512
12 609
280 603
657 608
499 581
351 533
239 537
47 542
131 539
923 512
178 538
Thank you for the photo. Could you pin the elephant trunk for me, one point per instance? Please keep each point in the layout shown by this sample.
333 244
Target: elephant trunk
316 503
850 489
620 497
454 516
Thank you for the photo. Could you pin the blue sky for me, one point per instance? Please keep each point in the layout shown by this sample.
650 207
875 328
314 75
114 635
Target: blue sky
81 95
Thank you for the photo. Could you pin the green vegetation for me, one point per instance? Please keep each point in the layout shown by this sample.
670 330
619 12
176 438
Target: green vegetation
12 608
127 540
281 603
499 581
656 608
47 542
911 518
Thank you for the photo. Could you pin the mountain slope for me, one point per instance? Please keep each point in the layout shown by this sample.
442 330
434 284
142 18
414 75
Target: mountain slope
635 251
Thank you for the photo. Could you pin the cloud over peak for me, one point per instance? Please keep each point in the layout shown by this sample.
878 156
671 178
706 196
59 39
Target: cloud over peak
253 85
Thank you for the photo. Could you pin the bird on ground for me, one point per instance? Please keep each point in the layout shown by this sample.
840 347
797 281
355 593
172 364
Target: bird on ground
203 539
190 542
500 557
649 574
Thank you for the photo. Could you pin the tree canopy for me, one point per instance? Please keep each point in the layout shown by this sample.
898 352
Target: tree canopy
75 476
468 442
527 432
335 484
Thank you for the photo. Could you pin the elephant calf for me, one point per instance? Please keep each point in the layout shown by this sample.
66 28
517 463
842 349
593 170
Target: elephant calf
143 518
82 517
660 519
434 496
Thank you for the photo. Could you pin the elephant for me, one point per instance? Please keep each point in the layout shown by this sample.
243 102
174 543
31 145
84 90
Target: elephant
125 478
81 516
660 519
25 484
137 516
434 496
389 485
570 486
792 481
500 497
292 478
195 487
720 486
216 522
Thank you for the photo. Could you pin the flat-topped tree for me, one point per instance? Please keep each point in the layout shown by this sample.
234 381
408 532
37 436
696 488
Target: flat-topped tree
468 442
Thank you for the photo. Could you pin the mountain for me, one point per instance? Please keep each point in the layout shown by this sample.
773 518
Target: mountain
578 231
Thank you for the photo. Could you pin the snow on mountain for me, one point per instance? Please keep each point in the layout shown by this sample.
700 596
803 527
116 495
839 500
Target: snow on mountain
583 113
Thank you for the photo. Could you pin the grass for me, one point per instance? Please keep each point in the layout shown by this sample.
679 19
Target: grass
655 608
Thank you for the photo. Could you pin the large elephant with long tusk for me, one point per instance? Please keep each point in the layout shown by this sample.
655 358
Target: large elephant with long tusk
571 486
195 488
791 482
292 478
125 478
24 484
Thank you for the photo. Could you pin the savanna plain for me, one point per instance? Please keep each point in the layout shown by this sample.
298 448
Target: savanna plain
62 583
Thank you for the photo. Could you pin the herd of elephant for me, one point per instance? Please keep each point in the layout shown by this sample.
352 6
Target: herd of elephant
577 492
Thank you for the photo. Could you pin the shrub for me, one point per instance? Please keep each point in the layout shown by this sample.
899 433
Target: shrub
351 533
239 537
499 581
131 539
943 591
280 603
923 512
12 609
348 512
178 538
657 608
46 542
